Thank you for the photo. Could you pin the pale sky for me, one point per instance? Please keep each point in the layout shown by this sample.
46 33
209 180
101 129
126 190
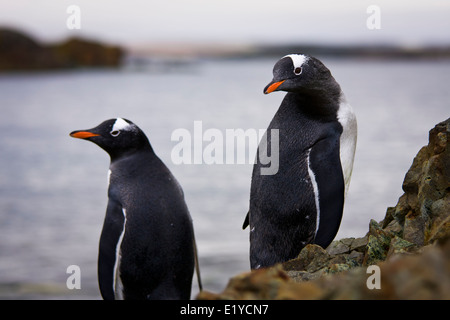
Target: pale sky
139 22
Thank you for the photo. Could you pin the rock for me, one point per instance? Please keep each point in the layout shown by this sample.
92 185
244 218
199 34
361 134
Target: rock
259 284
414 227
347 245
400 246
426 202
338 247
376 251
311 259
440 230
421 216
300 276
394 228
264 284
404 277
411 246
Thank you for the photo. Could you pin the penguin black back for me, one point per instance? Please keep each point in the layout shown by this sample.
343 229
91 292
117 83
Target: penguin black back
146 248
303 202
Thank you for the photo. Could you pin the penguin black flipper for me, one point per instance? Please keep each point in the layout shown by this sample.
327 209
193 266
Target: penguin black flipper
328 182
246 221
108 248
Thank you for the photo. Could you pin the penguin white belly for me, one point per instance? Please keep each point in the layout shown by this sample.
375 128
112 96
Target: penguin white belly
347 119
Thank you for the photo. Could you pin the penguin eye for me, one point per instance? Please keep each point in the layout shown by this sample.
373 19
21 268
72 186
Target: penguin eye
115 133
298 70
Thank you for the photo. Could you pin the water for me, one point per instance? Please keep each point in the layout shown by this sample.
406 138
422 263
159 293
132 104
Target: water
53 187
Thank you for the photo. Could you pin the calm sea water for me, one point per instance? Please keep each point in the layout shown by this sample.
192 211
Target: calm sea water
53 188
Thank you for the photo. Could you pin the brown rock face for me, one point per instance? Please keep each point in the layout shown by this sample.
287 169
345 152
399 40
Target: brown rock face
410 248
423 209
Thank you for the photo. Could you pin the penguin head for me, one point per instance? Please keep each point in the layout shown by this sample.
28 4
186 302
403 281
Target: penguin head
116 136
300 73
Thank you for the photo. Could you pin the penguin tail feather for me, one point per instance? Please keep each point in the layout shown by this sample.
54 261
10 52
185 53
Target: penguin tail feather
197 265
246 221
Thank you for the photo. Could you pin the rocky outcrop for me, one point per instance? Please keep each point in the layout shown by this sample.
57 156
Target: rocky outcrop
421 276
410 246
19 51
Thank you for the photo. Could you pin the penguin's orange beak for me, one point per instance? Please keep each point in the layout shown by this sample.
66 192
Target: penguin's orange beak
83 134
272 87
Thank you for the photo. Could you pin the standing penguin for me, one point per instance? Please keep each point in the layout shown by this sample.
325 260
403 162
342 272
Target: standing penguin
147 247
303 202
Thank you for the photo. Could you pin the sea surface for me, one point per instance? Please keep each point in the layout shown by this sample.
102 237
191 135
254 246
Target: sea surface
53 188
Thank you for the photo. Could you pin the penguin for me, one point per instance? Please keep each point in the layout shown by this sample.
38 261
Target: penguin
303 202
147 247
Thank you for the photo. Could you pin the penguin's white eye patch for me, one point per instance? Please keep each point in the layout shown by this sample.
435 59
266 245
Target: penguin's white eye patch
121 124
298 60
115 133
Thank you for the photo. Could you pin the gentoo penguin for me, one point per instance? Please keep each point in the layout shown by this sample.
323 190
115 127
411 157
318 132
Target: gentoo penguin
147 247
302 203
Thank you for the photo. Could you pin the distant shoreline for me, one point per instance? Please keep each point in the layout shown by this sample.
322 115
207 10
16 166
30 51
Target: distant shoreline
20 52
363 51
